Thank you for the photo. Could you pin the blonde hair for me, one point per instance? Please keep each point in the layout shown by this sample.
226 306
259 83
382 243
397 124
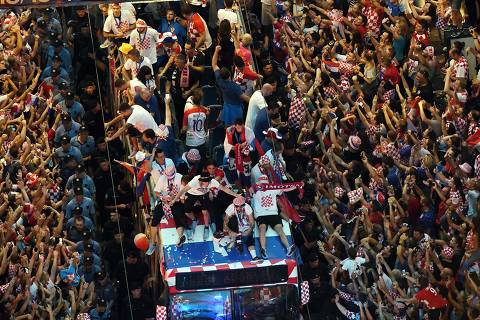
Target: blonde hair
247 39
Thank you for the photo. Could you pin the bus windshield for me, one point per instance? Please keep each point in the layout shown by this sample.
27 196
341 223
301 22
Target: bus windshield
258 303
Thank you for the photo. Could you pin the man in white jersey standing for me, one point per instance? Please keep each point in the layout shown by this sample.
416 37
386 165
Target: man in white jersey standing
194 123
145 40
266 214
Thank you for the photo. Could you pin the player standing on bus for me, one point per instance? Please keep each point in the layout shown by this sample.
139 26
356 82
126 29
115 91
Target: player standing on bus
266 214
194 123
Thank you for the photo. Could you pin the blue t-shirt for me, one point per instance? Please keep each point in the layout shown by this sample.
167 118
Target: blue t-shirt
168 145
395 9
178 30
151 106
399 48
261 124
87 148
231 91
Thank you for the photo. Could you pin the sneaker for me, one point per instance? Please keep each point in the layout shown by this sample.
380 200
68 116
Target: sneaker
189 233
151 249
181 241
239 246
257 259
107 43
263 254
206 233
291 250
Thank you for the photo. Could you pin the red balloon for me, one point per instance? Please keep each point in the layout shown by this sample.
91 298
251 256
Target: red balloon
141 241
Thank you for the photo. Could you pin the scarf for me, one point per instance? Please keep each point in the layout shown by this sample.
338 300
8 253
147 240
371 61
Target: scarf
297 112
283 186
172 192
184 77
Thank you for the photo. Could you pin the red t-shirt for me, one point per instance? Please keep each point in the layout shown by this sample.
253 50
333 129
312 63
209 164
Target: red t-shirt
391 74
431 298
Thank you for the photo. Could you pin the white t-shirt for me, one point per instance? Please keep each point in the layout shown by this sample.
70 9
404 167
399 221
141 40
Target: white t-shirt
142 120
146 43
163 188
194 118
134 67
196 190
121 24
257 102
265 203
125 6
353 266
227 14
134 85
243 216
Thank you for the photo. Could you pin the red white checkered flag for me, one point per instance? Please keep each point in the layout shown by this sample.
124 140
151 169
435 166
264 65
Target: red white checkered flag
161 313
304 292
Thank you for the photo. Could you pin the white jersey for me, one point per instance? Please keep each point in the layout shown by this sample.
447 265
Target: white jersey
146 43
116 25
242 216
142 120
165 187
265 203
134 67
194 119
196 190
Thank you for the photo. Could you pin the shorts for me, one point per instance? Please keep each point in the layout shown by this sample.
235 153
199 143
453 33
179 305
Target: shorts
272 220
456 4
177 213
192 199
233 225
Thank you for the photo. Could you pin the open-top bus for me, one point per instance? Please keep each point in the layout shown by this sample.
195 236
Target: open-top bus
206 282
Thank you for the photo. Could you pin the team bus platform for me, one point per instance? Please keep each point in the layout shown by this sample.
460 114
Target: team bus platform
208 283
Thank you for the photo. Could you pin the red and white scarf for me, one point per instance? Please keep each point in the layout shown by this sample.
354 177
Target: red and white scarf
184 77
276 186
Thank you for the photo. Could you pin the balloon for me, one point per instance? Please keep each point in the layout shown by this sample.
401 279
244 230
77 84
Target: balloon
141 241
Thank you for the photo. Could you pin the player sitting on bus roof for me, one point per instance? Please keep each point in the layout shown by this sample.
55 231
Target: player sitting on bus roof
239 224
266 214
197 190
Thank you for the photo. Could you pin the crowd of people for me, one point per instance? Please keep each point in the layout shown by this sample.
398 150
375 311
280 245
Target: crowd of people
355 122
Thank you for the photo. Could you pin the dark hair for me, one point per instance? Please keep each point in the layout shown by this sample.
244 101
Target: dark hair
134 52
124 106
149 133
225 73
197 96
119 83
238 121
224 29
238 62
182 57
228 3
186 10
143 72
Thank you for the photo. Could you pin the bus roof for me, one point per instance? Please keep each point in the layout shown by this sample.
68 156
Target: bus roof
211 261
200 253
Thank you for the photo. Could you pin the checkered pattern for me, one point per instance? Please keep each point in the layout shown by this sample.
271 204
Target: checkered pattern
476 166
291 264
339 192
373 20
329 92
304 292
373 129
335 15
375 185
388 95
460 125
143 42
355 195
441 22
447 252
391 151
473 129
4 288
462 63
267 201
161 313
345 85
83 316
297 112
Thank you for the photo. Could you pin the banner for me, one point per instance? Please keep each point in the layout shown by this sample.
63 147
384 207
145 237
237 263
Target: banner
63 3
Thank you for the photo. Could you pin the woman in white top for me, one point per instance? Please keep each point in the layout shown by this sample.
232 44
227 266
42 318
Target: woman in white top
197 191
